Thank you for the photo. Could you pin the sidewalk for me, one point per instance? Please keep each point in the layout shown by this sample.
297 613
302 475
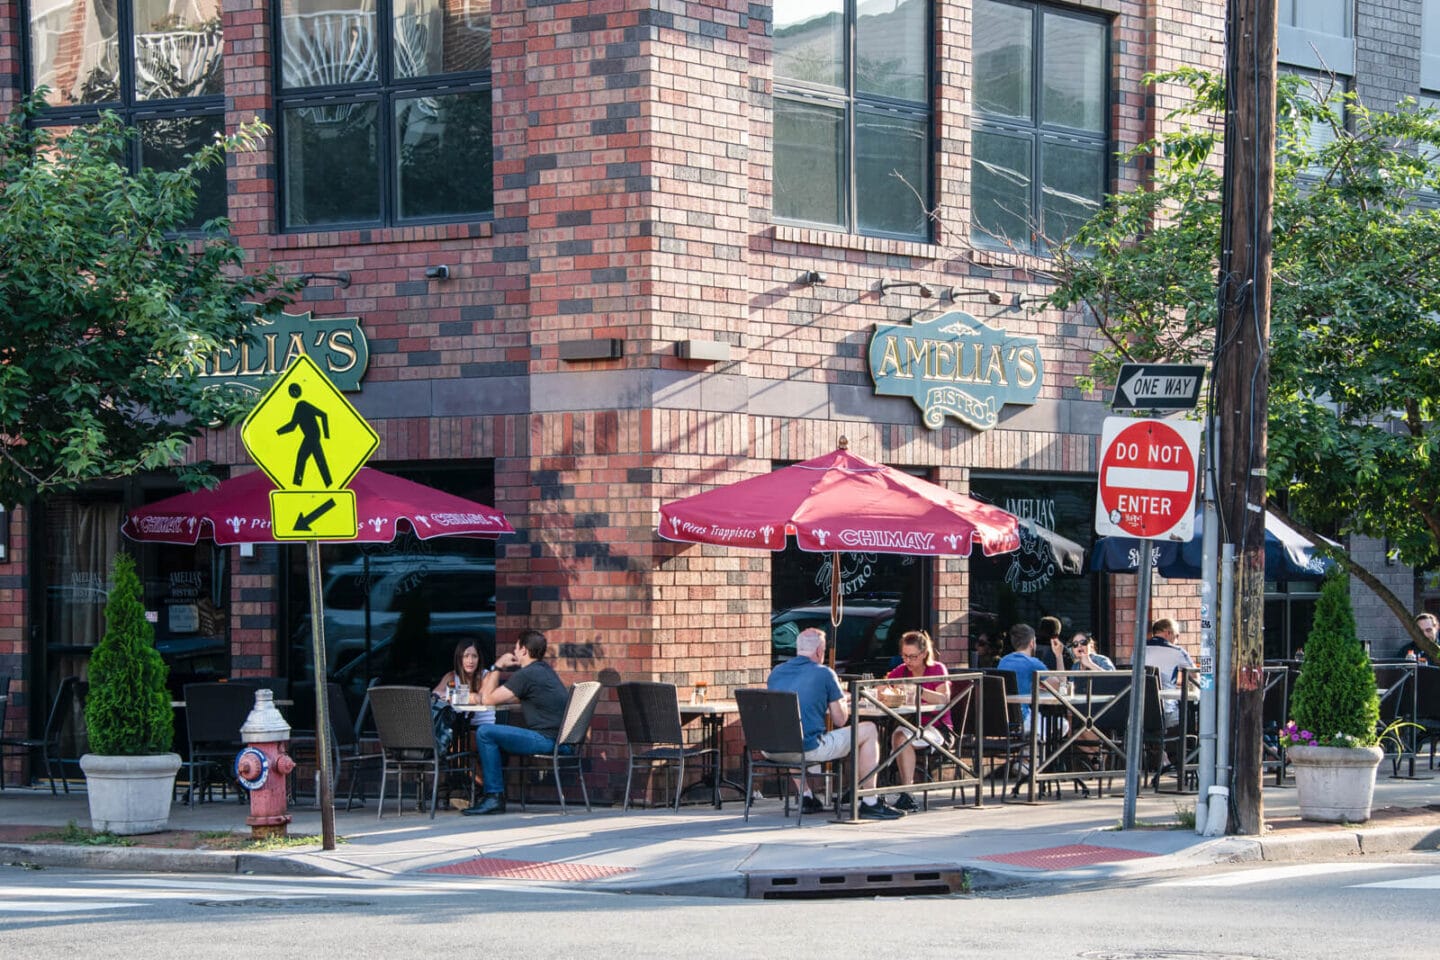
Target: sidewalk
705 852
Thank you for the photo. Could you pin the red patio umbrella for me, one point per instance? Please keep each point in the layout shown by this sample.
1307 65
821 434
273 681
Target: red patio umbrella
841 502
238 511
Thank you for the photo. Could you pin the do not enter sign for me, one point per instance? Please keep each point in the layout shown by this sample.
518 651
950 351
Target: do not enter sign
1147 478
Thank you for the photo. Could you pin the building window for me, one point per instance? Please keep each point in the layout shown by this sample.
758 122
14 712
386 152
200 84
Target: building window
1430 45
1318 34
1329 91
384 126
167 83
1040 156
852 115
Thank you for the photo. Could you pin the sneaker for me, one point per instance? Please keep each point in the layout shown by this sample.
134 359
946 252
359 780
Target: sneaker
811 805
879 811
906 803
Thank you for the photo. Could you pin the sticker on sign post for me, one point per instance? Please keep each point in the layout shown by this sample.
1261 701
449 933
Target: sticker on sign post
1147 485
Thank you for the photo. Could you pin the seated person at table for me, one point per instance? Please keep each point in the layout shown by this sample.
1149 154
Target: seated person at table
1022 662
1428 626
820 697
1164 654
467 669
1048 629
917 654
1083 655
535 686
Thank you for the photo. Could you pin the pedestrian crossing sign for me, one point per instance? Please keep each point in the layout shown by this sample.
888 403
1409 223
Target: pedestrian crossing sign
305 435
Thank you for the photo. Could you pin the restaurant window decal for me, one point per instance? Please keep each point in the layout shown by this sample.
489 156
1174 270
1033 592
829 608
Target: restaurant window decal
1023 586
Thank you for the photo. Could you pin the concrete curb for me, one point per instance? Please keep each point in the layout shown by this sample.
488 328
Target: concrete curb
151 860
1349 843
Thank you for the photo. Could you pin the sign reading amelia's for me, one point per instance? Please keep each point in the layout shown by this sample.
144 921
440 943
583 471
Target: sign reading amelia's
955 365
338 346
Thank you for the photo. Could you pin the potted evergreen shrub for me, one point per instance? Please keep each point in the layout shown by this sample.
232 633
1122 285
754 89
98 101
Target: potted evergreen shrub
1333 734
130 771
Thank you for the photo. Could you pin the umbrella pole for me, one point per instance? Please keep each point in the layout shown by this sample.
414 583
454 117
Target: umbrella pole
322 695
837 609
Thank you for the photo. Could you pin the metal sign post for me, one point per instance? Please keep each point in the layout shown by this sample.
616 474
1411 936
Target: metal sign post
1134 729
304 428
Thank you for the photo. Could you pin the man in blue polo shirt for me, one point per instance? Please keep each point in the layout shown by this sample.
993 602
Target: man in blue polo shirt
821 696
1022 662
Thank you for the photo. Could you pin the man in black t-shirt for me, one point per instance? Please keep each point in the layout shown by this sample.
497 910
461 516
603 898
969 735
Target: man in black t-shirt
541 696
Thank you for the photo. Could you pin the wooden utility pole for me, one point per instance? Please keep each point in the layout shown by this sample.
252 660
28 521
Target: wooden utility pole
1241 370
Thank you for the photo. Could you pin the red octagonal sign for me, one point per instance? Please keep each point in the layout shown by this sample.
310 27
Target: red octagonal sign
1147 478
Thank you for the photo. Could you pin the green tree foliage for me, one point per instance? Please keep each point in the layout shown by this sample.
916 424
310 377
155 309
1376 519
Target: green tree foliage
107 309
1335 695
1354 352
128 712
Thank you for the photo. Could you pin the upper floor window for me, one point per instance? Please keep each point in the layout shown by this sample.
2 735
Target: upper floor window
1318 34
384 110
1040 155
1430 45
852 115
157 63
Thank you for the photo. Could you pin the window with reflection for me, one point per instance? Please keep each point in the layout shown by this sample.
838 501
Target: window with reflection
1041 149
384 111
852 119
157 63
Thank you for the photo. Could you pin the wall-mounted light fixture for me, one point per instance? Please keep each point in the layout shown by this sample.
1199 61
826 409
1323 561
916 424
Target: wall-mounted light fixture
601 348
923 289
438 272
990 296
705 351
340 279
812 278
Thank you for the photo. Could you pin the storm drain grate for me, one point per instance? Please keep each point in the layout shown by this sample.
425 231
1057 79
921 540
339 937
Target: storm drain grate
528 869
1063 858
828 884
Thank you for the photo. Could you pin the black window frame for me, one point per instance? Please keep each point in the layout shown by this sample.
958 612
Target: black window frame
132 111
1040 132
382 94
852 103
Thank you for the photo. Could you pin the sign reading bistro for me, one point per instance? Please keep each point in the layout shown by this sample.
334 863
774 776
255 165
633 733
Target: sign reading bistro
955 365
336 344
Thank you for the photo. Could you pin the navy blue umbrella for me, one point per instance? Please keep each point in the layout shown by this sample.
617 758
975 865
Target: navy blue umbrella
1288 556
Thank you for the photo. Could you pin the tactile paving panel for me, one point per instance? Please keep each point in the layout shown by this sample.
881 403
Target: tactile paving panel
528 869
1070 855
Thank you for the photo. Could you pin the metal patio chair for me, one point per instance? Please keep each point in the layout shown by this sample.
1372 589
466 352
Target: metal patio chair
579 709
654 735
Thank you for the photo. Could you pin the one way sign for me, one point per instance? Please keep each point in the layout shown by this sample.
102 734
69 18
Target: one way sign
1157 386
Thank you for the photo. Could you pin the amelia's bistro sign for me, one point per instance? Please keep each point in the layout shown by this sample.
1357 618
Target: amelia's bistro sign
336 344
955 365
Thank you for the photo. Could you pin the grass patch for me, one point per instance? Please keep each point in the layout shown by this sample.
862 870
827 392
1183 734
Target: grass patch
219 840
84 836
1184 816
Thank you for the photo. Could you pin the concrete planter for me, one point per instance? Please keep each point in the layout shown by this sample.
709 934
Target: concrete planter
1335 784
130 795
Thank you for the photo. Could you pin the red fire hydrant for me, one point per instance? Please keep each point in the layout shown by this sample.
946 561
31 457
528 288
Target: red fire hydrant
263 766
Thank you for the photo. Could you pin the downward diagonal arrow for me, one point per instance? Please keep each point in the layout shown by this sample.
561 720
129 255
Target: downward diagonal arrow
305 519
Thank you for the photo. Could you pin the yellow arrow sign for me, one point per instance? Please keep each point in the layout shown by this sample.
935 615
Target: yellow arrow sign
305 435
313 515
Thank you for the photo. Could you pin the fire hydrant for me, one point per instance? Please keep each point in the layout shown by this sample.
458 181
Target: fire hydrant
263 766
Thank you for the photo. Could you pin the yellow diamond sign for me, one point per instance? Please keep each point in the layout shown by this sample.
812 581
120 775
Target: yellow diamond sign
305 435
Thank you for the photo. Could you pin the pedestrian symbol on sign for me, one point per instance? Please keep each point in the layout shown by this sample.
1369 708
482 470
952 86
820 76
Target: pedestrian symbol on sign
334 441
313 425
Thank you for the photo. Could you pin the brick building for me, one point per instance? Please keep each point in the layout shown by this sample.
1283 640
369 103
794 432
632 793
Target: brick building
668 232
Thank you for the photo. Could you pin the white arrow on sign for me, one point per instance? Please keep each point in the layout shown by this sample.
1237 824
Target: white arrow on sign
1145 386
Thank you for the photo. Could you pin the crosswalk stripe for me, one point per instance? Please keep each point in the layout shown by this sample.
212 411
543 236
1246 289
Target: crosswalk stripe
1242 878
12 907
1409 883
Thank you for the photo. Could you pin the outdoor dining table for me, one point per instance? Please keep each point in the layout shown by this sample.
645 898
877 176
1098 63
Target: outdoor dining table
866 705
712 714
1050 742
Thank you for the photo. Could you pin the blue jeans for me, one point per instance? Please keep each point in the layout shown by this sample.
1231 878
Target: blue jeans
495 737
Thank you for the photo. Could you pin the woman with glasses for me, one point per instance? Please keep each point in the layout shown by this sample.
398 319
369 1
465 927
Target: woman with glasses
1083 655
917 656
